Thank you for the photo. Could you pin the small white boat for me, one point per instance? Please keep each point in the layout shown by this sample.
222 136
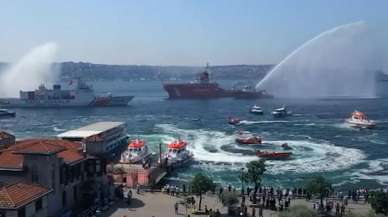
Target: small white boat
7 113
137 152
177 154
360 120
256 110
281 112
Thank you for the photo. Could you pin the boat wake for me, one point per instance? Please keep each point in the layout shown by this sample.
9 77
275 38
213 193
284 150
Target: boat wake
377 170
209 147
245 122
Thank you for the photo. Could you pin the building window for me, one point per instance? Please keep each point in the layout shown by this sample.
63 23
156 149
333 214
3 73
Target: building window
22 212
53 178
75 193
34 174
64 199
39 204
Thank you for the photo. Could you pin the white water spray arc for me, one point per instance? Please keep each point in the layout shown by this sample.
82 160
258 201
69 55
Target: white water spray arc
337 63
30 71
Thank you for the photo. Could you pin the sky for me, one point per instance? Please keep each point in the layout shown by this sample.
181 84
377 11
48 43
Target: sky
178 32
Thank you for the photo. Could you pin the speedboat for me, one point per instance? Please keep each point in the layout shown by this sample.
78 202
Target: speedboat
360 120
234 121
281 112
7 113
137 152
177 154
285 146
247 138
273 155
256 110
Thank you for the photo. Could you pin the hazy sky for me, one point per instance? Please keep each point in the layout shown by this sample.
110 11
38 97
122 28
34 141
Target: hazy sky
178 32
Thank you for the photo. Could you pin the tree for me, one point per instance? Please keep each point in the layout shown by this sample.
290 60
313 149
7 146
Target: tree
201 184
379 202
253 174
298 211
319 186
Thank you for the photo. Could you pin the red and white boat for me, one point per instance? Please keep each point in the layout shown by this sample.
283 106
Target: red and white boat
247 138
273 155
177 154
360 120
137 152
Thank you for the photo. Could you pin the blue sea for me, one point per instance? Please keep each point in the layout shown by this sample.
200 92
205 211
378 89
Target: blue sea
322 143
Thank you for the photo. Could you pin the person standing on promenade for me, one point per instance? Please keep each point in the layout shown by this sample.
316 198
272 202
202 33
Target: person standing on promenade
176 208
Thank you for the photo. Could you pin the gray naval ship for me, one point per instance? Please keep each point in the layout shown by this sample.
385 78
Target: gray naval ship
79 94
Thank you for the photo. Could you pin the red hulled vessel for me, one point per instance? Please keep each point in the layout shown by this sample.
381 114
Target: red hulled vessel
203 88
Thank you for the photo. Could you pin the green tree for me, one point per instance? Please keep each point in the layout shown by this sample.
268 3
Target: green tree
299 211
253 174
319 186
379 202
201 184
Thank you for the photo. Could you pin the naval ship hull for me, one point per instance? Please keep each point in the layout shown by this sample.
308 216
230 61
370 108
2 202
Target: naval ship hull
208 91
97 102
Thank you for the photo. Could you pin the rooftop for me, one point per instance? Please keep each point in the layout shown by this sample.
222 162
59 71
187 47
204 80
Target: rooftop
20 194
12 158
5 135
90 130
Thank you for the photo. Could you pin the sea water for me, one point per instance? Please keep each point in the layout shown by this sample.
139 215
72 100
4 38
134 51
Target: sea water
322 143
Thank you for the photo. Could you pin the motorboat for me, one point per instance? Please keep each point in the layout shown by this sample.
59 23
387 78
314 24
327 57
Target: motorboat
137 152
247 138
177 154
7 113
285 146
360 120
256 110
281 112
234 121
273 155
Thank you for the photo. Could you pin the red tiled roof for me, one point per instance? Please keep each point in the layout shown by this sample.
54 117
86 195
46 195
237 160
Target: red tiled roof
39 146
70 156
5 135
12 157
16 195
11 161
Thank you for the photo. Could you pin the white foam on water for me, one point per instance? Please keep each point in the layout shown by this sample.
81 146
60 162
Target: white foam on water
199 140
308 156
57 129
245 122
377 170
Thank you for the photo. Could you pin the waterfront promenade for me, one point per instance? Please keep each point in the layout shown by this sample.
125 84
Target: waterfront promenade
162 205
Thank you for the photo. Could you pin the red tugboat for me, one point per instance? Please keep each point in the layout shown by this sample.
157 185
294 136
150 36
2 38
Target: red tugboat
273 155
202 88
247 138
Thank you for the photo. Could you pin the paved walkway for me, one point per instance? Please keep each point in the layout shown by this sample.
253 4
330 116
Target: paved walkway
162 205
